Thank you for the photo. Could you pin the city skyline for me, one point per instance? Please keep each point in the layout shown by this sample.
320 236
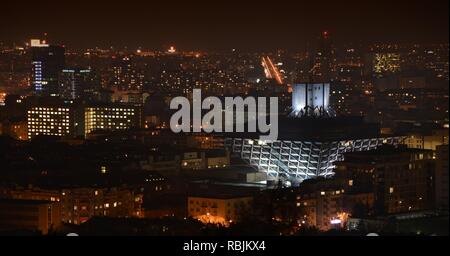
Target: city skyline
250 25
224 119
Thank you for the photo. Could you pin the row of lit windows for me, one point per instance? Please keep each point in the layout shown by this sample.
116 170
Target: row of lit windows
94 118
109 114
45 133
47 112
40 120
110 109
49 109
48 126
106 205
47 122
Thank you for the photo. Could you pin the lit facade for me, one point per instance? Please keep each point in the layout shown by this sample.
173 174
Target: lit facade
80 204
309 140
50 121
111 118
311 99
437 138
298 160
386 63
219 210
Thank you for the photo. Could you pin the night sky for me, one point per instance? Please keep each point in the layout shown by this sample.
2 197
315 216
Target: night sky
246 24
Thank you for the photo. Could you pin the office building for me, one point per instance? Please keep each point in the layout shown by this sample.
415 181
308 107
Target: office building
125 76
78 83
323 62
51 120
111 117
47 63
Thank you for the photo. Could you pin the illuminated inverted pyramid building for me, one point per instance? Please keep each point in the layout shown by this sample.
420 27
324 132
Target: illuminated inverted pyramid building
310 139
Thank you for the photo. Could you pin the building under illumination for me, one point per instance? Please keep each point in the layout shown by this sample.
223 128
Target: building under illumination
310 140
309 148
111 117
50 121
71 120
311 99
219 209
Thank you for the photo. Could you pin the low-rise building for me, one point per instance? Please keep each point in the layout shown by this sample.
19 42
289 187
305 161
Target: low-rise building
29 215
441 179
218 208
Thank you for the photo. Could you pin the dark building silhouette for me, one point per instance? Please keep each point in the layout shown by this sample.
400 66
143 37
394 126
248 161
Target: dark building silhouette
48 62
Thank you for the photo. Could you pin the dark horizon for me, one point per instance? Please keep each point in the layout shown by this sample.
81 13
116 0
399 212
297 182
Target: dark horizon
255 25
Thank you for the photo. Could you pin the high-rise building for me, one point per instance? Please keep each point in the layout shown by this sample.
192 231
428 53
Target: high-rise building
125 76
323 68
78 83
47 63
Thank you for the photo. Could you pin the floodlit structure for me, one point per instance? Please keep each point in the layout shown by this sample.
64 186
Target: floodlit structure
310 139
298 160
311 99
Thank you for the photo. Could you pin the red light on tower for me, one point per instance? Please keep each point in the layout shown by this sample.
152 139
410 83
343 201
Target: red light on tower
325 34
